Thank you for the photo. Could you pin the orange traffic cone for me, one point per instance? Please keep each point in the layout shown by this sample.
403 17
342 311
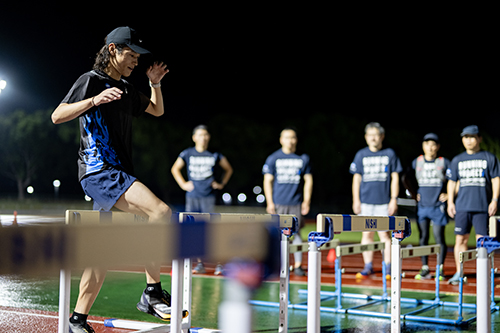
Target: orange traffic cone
332 255
14 223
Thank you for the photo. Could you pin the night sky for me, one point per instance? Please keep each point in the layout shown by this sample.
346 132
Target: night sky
267 61
419 71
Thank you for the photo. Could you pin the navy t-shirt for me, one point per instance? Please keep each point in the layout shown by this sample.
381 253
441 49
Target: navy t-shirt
288 171
200 170
375 169
475 173
106 130
431 178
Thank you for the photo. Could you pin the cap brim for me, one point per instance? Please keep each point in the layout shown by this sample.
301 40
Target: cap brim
138 49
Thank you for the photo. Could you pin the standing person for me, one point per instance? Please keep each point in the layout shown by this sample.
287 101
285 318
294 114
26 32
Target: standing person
104 103
476 176
430 172
375 189
288 184
201 184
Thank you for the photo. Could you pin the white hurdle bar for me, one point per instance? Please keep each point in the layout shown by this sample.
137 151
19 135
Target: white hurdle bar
356 223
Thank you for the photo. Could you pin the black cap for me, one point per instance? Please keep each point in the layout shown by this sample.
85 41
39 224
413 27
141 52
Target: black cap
431 136
126 36
470 130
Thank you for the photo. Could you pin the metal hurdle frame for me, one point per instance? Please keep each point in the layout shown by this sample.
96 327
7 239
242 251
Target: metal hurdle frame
284 294
327 225
103 219
288 225
345 250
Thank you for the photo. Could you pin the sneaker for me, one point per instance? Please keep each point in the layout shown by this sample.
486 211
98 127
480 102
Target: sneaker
219 270
423 274
365 273
455 279
157 306
80 328
441 275
299 271
199 269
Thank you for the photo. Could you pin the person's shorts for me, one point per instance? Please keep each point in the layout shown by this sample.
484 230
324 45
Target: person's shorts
200 205
374 210
106 187
293 209
436 214
464 221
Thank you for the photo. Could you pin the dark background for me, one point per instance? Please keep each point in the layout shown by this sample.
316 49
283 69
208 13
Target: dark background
248 70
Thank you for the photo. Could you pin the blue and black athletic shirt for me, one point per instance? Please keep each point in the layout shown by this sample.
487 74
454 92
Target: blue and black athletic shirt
106 130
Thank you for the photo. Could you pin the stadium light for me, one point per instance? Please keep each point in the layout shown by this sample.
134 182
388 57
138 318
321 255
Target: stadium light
3 84
57 184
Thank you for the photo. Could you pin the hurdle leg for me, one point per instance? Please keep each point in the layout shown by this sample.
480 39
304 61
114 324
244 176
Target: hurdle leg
314 288
396 286
64 297
176 292
483 308
284 285
188 287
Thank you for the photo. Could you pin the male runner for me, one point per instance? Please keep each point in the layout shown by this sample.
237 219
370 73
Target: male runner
430 172
288 184
476 176
104 102
375 189
201 185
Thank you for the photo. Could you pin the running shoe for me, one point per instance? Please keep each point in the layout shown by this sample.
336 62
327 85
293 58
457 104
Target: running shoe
423 274
80 328
199 269
455 279
219 270
365 273
441 275
299 271
157 306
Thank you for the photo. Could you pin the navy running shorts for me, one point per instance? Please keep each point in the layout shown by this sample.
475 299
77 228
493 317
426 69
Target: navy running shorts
436 214
464 221
106 187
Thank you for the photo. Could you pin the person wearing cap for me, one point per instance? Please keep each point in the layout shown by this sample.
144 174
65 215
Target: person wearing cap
375 189
430 173
105 103
473 190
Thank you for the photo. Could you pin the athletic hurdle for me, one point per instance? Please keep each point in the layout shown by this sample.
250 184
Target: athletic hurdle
284 294
485 282
327 225
35 249
288 224
346 250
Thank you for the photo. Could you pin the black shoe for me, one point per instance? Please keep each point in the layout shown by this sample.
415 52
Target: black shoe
157 305
423 274
299 271
80 328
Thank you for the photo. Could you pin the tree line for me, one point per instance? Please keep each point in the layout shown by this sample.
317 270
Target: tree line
35 152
